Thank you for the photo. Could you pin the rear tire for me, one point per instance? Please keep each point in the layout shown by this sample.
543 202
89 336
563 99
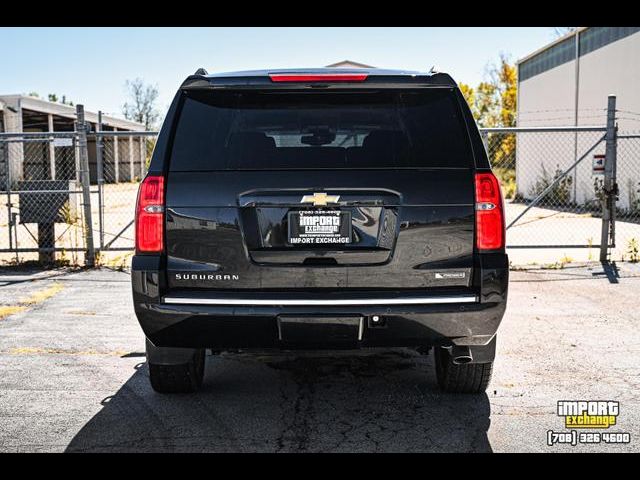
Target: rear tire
180 378
464 378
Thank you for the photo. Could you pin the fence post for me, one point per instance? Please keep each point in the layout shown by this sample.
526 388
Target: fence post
100 175
609 184
130 158
142 155
52 149
81 127
116 158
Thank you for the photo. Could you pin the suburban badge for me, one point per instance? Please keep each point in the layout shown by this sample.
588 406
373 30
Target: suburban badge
206 276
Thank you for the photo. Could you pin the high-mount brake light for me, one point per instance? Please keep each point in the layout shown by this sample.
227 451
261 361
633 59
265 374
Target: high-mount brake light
318 77
490 231
150 215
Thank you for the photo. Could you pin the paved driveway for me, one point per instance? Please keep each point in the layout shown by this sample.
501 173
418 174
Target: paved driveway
73 377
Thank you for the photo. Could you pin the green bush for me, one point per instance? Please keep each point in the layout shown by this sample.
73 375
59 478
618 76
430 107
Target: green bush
559 194
633 250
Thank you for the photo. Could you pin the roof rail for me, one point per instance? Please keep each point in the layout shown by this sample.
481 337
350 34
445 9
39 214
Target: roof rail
201 71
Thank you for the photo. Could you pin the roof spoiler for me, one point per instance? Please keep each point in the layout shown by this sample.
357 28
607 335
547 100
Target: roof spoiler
263 79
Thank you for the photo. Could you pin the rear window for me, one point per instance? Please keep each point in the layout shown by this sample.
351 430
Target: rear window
314 130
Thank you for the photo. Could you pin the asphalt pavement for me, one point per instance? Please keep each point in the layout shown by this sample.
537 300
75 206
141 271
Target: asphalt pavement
73 376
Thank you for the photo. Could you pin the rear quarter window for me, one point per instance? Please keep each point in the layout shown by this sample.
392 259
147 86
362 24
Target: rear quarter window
315 130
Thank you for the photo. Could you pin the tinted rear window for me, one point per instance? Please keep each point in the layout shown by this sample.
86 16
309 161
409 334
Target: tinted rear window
294 130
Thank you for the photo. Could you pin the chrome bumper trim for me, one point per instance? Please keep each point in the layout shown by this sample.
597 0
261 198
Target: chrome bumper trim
248 302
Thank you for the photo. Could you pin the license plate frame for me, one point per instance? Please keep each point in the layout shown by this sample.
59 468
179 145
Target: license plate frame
318 228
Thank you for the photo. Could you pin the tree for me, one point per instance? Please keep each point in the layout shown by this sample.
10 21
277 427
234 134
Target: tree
487 104
54 98
493 101
504 79
493 104
483 103
469 95
141 105
562 31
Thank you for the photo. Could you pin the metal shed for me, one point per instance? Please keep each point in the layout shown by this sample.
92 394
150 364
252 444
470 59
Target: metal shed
55 161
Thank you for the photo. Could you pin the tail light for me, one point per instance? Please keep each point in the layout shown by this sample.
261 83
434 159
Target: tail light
150 215
489 213
318 77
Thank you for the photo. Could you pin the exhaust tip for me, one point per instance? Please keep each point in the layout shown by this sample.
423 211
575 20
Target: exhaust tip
460 355
462 359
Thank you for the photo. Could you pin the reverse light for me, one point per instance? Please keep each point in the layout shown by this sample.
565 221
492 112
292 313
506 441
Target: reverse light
318 77
150 215
490 231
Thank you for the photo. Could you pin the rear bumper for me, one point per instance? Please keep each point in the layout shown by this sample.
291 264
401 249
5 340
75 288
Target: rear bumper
190 325
204 320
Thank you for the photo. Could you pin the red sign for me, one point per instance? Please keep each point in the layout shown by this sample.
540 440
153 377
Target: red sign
598 163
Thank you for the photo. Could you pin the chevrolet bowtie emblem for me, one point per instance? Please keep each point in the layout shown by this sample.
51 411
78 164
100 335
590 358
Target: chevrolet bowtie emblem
320 199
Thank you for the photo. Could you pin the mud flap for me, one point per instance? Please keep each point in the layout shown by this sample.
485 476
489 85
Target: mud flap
169 355
484 353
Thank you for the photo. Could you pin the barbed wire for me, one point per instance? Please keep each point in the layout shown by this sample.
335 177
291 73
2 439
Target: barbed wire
629 112
563 110
629 119
562 118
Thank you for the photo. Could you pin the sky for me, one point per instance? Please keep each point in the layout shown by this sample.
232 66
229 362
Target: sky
90 65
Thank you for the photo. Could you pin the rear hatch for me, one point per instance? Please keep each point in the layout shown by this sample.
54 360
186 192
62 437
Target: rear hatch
365 189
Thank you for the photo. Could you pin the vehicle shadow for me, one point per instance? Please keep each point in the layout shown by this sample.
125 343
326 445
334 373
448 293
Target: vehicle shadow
294 402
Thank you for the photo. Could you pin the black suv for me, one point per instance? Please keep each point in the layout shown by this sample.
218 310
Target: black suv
319 209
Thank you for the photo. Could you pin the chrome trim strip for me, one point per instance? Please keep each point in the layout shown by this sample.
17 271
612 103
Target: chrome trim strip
356 301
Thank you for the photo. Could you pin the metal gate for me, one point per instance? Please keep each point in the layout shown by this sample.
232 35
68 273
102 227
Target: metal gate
122 162
41 197
560 187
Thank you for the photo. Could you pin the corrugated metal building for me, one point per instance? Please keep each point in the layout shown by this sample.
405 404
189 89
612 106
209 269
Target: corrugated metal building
567 83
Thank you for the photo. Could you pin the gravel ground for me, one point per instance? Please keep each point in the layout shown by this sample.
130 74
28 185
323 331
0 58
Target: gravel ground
73 376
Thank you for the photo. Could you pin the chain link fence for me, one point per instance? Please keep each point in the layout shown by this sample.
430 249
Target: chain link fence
49 197
553 183
125 158
40 198
627 224
552 178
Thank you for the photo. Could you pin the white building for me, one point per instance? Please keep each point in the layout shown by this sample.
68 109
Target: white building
567 83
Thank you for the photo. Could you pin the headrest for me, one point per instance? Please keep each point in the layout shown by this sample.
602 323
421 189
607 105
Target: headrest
252 140
384 139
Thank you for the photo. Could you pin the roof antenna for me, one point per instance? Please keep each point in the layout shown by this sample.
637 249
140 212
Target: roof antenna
201 71
433 70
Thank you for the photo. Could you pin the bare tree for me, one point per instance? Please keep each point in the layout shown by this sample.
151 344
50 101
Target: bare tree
562 31
141 105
